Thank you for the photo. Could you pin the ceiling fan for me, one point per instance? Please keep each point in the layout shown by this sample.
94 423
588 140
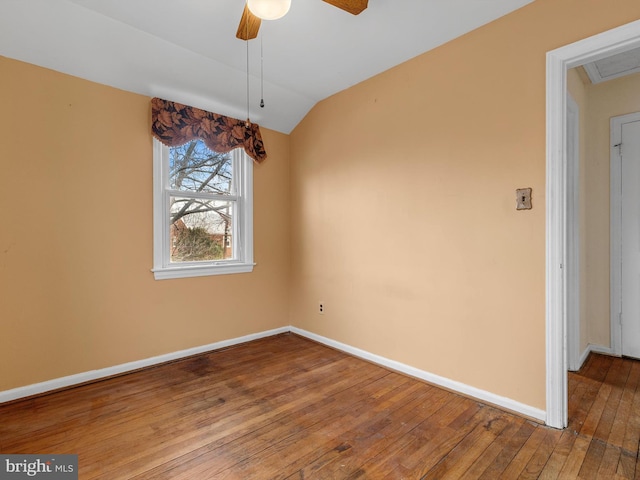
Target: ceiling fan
250 23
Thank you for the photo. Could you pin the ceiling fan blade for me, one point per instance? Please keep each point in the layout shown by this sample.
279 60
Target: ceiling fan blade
249 25
352 6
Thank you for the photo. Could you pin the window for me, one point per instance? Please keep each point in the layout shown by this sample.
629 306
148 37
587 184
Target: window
203 211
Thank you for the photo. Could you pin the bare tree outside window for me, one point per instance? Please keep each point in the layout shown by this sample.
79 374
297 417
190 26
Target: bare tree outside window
201 216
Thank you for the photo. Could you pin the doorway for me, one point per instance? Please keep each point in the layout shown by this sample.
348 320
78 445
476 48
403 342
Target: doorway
558 217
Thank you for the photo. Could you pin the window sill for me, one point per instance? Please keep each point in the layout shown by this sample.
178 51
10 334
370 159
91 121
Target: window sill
185 271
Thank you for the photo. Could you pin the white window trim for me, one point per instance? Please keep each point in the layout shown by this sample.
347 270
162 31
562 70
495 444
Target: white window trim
243 223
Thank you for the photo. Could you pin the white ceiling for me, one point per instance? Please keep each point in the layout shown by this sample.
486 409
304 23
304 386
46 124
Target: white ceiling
186 50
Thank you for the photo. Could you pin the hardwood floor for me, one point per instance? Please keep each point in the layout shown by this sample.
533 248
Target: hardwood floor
287 408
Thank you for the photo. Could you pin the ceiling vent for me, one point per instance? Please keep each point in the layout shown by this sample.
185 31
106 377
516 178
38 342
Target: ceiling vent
619 65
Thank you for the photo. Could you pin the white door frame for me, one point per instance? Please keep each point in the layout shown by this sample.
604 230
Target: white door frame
559 61
616 229
572 304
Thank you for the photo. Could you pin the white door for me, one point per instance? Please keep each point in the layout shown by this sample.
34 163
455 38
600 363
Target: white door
629 152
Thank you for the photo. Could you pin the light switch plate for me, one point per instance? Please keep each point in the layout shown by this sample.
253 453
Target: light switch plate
523 199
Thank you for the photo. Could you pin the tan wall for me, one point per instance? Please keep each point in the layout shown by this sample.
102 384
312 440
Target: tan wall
76 290
605 100
403 203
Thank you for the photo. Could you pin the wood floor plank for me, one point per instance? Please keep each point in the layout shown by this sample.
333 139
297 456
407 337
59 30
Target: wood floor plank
447 447
456 463
592 376
543 453
617 378
632 430
391 460
592 459
624 413
130 420
371 436
595 412
576 457
201 431
365 436
524 455
114 404
558 458
578 404
255 443
506 456
609 463
627 465
285 407
316 422
486 458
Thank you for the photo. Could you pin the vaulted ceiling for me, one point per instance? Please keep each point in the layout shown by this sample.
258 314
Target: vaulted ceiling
186 50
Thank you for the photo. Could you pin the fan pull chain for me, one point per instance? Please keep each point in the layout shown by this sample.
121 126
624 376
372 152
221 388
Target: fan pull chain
248 121
261 74
246 29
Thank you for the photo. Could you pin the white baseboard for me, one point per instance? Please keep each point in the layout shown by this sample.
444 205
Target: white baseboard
93 375
71 380
447 383
583 358
595 349
603 350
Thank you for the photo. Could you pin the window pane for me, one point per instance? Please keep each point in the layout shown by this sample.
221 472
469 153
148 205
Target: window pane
195 168
201 230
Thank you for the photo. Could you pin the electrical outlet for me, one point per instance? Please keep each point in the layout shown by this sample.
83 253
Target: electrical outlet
321 307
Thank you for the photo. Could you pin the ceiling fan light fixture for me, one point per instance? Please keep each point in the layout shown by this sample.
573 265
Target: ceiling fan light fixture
269 9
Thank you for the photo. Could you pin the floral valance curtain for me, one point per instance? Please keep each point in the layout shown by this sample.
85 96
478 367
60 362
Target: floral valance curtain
175 124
